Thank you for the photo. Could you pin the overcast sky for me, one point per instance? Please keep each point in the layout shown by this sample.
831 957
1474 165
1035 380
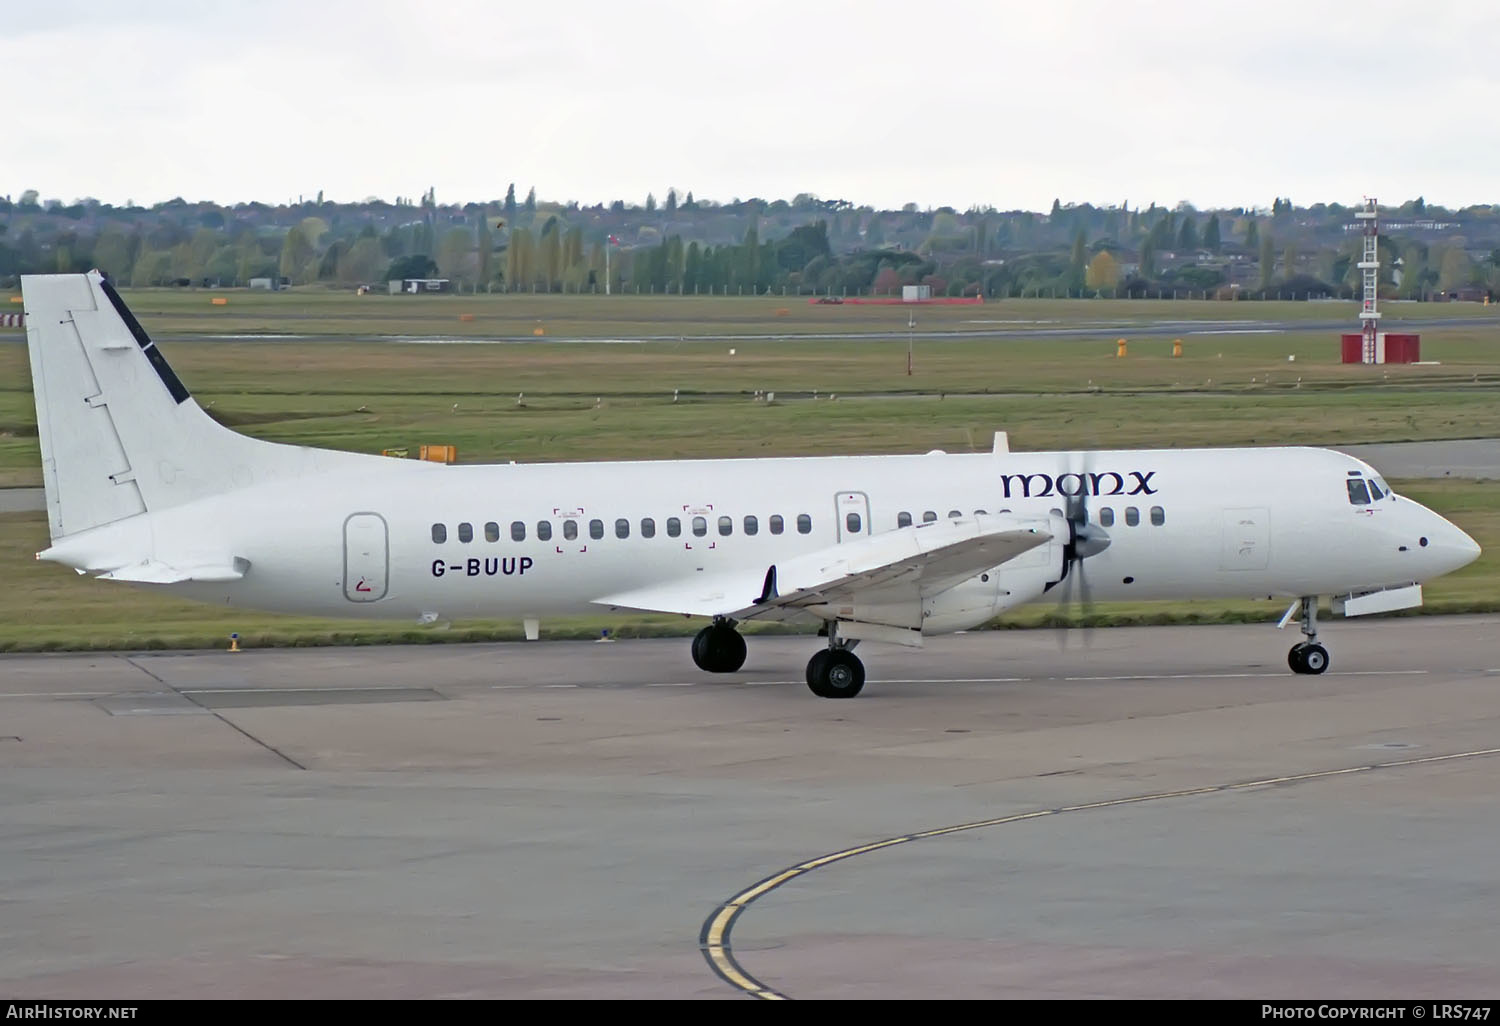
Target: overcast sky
997 103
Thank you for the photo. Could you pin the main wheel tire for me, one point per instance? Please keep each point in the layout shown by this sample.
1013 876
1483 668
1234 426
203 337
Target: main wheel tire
816 668
839 675
726 649
700 649
1314 659
1294 658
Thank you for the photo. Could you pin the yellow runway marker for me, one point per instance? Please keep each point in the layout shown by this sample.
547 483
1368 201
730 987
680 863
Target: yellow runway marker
714 939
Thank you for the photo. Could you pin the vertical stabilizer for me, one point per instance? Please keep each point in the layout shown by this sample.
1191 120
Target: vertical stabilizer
120 434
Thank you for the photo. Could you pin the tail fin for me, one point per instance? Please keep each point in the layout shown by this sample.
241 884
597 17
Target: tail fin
120 434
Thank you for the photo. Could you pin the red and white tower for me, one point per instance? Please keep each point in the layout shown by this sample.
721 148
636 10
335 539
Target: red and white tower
1369 268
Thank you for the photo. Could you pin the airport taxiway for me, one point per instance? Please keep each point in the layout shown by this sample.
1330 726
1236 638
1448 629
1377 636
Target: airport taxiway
572 819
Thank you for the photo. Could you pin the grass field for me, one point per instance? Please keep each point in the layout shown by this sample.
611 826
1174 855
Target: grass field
604 400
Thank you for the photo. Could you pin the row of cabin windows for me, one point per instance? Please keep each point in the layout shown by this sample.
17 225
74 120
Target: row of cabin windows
698 525
1106 516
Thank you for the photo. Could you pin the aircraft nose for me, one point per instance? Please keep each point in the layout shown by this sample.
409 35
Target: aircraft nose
1450 545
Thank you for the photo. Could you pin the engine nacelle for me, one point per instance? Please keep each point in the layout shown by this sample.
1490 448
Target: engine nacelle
984 596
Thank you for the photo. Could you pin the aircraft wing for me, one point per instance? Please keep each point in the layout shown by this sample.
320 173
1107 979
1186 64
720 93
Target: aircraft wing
898 567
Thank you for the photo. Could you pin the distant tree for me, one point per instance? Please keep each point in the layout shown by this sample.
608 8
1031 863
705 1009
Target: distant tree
296 253
453 253
690 203
671 207
485 246
1148 259
692 267
112 252
1211 241
362 263
572 250
1103 272
1455 269
28 200
1187 237
1289 260
519 259
1267 259
549 254
531 200
418 265
1056 209
1252 234
510 204
650 203
1077 264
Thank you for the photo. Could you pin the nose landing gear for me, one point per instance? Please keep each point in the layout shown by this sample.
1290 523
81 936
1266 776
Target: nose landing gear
1307 656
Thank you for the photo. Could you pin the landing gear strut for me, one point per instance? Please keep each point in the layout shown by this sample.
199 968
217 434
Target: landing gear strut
836 672
719 648
1308 656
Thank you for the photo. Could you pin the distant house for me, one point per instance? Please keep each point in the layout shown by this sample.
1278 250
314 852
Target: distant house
415 285
272 284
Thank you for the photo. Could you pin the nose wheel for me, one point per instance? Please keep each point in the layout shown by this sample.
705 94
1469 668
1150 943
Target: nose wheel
1307 656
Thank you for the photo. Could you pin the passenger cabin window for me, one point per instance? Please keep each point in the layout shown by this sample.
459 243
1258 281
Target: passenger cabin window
751 525
674 527
852 523
517 531
1158 516
544 530
465 532
1106 517
648 527
776 524
1132 516
954 514
439 533
491 532
596 529
804 523
700 527
903 519
570 529
929 516
622 528
726 524
1358 494
979 513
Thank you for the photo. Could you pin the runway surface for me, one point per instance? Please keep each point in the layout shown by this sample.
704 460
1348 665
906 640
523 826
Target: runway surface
572 819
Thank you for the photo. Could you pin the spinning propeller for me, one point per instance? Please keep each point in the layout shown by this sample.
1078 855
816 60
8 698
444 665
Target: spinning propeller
1084 539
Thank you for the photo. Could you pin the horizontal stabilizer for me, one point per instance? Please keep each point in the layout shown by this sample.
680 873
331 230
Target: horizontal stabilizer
152 571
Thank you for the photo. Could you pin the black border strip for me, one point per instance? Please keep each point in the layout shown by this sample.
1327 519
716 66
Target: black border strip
158 362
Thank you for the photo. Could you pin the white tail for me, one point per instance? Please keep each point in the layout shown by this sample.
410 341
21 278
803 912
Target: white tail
120 435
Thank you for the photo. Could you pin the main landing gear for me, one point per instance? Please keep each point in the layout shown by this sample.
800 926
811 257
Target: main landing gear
836 672
719 648
1308 656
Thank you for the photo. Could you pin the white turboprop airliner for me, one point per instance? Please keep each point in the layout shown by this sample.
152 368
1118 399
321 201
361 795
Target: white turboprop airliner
143 486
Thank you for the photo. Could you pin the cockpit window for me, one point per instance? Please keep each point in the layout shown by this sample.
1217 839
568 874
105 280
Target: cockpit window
1358 495
1375 493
